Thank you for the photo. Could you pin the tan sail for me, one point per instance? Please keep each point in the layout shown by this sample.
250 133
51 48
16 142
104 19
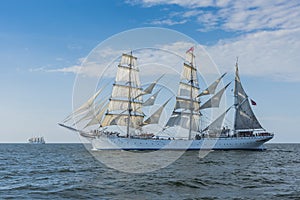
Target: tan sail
212 88
151 100
154 118
215 100
97 119
244 115
84 107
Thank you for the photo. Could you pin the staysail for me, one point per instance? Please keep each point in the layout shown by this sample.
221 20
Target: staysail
93 110
215 100
154 118
244 115
84 107
151 100
216 125
98 117
211 88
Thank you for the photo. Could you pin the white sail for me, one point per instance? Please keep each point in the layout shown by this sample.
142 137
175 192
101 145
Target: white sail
122 91
212 88
215 100
84 106
244 116
183 103
154 118
188 72
128 60
125 104
183 120
185 90
136 121
151 100
98 117
185 112
94 110
190 57
116 104
150 88
216 125
123 74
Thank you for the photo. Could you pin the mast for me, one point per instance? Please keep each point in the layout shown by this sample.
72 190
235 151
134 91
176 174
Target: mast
245 118
129 96
235 93
125 103
191 97
186 111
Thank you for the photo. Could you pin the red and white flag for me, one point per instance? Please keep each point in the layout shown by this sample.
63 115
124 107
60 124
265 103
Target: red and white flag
190 49
253 102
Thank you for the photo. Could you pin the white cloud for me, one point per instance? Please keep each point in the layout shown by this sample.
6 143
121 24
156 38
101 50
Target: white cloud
73 69
269 33
168 22
160 59
189 4
260 15
271 54
233 15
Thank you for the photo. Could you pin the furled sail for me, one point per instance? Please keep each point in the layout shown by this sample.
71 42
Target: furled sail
151 100
154 118
212 88
244 116
215 100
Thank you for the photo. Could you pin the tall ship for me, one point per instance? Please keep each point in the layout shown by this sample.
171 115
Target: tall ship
119 122
36 140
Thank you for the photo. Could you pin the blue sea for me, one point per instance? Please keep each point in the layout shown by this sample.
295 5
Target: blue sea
69 171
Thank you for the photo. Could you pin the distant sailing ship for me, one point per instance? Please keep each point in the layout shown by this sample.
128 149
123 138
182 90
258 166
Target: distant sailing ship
124 109
36 140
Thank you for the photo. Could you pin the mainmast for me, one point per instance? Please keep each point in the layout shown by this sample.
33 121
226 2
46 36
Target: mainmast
186 111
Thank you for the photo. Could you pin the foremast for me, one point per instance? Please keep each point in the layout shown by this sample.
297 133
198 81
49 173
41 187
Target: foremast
125 104
129 96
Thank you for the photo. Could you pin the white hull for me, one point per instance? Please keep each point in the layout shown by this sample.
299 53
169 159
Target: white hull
227 143
36 142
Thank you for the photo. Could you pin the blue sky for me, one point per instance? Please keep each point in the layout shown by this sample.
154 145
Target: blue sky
42 41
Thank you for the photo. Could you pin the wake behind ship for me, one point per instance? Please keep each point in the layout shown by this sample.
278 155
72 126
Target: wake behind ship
182 131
